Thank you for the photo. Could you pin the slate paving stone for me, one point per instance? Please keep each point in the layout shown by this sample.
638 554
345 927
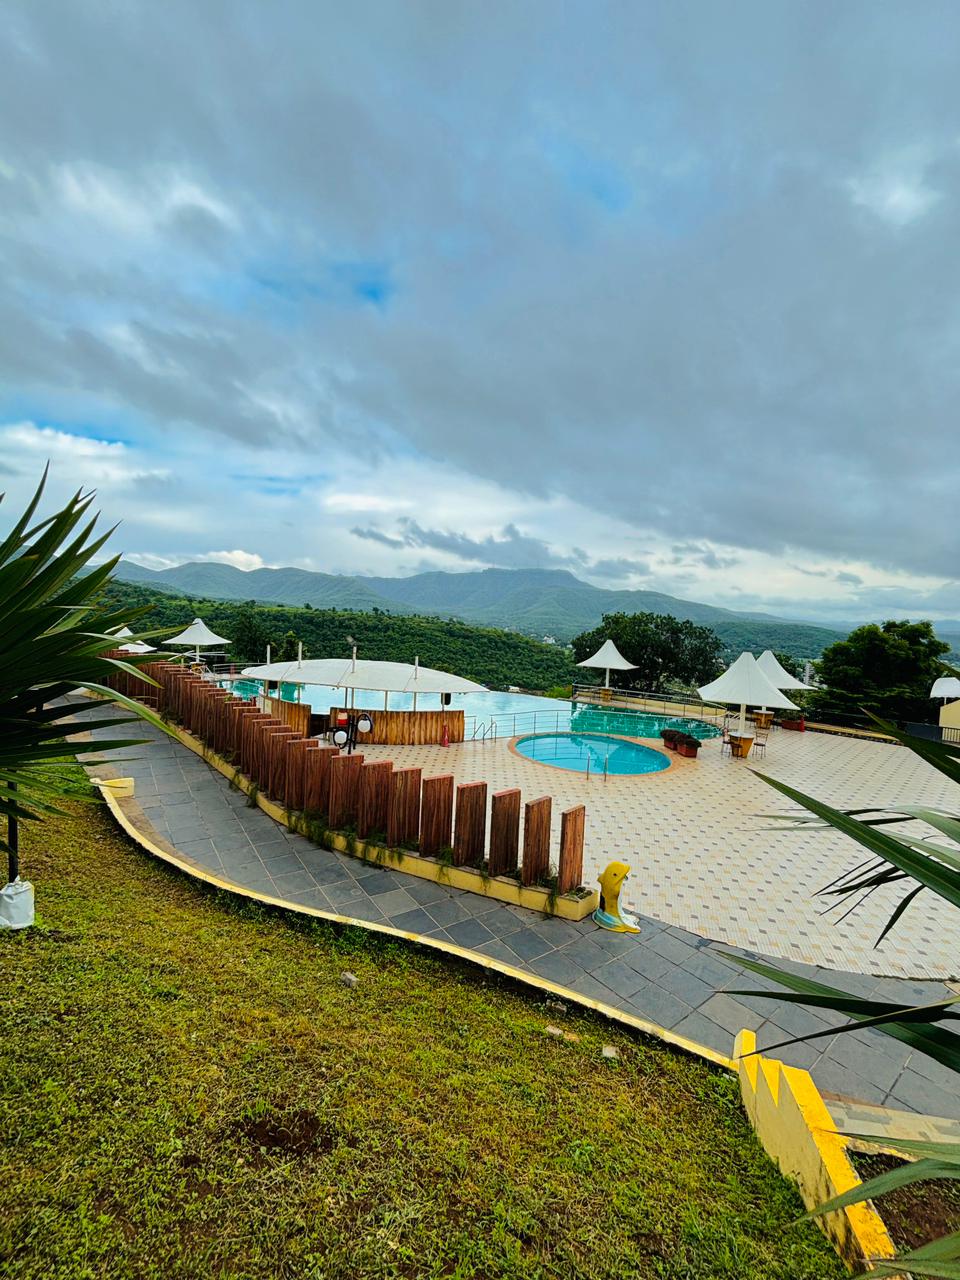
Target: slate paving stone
383 882
500 923
469 933
556 967
707 965
395 902
342 891
497 949
656 1005
728 1012
426 891
294 883
365 909
557 932
527 944
834 1077
916 1091
615 944
671 948
197 849
704 1031
620 978
687 986
585 953
448 912
413 921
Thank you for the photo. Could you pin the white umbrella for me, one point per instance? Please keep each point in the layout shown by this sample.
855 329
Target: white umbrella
946 687
744 682
197 634
609 658
778 676
136 647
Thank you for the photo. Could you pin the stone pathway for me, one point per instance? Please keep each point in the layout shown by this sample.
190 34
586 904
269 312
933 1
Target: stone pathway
666 975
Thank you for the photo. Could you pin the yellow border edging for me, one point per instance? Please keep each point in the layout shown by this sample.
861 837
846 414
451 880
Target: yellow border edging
502 888
447 948
797 1131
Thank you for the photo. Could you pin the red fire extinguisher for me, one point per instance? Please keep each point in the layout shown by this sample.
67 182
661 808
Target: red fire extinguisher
445 740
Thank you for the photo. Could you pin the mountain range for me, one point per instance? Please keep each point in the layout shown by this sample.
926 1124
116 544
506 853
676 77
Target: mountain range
536 602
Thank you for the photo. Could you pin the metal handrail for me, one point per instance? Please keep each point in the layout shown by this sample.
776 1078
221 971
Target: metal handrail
689 706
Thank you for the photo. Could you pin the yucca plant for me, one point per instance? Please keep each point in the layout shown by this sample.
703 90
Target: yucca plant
920 863
55 633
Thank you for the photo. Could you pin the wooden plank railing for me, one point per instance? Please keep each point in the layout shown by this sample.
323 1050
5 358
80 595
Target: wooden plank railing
308 776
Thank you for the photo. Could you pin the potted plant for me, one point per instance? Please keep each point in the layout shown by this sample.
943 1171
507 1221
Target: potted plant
798 723
670 737
687 746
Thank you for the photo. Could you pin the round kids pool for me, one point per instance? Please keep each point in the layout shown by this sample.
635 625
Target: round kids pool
591 753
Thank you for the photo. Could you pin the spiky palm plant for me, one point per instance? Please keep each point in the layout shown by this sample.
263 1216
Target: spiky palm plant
921 863
55 634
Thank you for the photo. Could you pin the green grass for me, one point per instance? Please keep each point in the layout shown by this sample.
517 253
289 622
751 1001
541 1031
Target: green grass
188 1090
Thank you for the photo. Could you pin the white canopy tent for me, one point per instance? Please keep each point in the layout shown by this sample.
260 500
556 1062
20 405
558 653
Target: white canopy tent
743 682
136 647
609 658
359 673
197 634
946 687
778 676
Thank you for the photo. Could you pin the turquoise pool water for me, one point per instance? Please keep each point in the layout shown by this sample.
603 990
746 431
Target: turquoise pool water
591 753
512 714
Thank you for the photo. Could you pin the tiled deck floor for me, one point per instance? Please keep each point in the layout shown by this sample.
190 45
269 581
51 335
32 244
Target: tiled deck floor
704 860
666 974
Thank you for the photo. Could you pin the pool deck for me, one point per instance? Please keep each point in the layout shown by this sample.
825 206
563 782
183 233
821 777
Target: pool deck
666 975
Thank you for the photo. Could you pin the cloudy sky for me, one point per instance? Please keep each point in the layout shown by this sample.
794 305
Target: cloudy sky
667 295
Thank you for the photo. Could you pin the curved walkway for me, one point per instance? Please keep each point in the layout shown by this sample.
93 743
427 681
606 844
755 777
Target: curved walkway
664 975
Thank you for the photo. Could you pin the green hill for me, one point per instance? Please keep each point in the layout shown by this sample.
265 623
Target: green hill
534 602
492 657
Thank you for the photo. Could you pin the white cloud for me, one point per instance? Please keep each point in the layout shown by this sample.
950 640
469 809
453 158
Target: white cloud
85 460
896 189
239 559
359 502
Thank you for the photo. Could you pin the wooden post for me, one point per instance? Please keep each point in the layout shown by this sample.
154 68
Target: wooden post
403 809
344 785
296 751
536 840
470 831
504 832
373 797
316 782
570 871
436 815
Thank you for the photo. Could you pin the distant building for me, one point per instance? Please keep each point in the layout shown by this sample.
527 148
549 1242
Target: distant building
549 639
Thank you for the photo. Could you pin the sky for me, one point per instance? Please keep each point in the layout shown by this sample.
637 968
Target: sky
665 295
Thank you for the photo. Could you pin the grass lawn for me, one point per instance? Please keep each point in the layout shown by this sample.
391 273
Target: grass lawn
188 1090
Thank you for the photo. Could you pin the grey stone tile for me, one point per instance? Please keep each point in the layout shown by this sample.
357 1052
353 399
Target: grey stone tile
615 944
365 909
200 850
382 882
447 912
279 863
648 963
497 949
413 921
671 947
294 883
620 978
328 872
557 932
707 965
730 1013
427 891
923 1095
556 967
687 986
833 1077
586 954
704 1031
394 903
527 944
500 923
342 891
587 985
656 1005
469 933
874 1063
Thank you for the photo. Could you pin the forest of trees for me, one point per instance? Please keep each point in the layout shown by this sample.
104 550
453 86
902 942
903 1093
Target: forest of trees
665 651
492 657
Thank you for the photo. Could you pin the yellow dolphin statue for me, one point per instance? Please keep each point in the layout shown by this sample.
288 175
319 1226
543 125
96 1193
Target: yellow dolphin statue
608 915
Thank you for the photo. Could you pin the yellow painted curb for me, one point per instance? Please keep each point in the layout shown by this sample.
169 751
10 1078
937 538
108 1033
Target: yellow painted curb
502 888
436 944
797 1131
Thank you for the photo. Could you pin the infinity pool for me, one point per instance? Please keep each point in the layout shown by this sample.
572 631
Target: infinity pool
591 753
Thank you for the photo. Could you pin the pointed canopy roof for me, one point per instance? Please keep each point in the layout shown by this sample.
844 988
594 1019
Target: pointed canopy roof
122 633
347 673
609 657
198 633
778 675
946 687
744 683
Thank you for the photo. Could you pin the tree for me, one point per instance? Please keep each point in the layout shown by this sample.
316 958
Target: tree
662 648
55 634
249 636
289 648
885 669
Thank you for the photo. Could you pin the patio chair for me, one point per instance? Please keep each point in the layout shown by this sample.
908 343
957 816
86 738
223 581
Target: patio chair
726 742
760 745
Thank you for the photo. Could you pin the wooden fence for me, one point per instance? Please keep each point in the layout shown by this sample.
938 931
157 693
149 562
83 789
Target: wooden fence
409 728
430 815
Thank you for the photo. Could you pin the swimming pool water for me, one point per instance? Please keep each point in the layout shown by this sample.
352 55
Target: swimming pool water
512 713
591 753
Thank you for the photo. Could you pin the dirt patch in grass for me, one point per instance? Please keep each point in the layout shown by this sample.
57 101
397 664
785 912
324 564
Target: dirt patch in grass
916 1214
188 1091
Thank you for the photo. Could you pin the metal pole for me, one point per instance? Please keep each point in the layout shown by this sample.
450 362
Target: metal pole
13 839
